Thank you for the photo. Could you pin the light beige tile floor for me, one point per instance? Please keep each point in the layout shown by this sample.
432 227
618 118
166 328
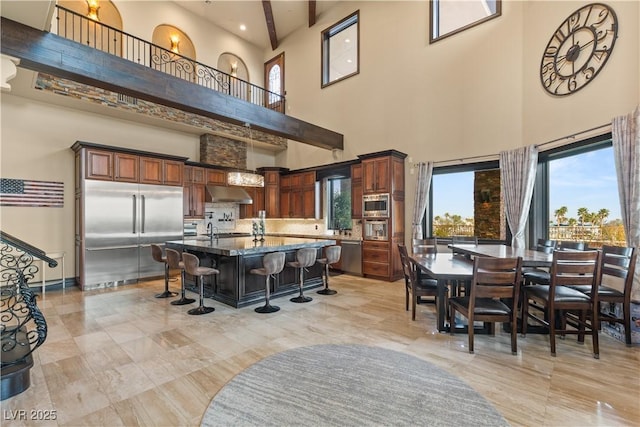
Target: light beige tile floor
122 357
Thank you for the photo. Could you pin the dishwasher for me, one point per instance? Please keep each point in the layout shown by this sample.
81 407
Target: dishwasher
351 256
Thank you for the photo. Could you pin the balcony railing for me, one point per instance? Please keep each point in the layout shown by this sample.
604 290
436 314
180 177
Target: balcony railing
81 29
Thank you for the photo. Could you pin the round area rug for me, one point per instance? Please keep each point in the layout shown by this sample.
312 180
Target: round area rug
347 385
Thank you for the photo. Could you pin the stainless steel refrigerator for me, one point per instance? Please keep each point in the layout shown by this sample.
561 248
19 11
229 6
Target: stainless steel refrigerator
121 221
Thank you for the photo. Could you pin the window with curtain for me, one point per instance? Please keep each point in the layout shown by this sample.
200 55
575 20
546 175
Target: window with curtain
466 201
582 201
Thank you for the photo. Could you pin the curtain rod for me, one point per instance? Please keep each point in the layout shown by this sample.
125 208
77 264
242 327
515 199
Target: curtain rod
573 136
490 157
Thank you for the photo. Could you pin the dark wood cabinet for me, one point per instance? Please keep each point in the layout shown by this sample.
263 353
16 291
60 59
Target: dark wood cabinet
272 194
383 172
99 164
194 192
298 195
251 211
127 167
375 175
216 177
356 191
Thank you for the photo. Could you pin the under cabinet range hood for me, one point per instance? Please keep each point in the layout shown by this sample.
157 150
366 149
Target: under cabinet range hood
220 194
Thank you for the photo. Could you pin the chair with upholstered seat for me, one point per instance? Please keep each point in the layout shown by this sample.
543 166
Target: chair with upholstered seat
558 299
305 258
156 253
493 296
331 256
540 276
459 287
272 264
192 266
423 287
617 263
173 259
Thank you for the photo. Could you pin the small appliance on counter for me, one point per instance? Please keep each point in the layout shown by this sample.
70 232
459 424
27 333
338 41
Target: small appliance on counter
190 229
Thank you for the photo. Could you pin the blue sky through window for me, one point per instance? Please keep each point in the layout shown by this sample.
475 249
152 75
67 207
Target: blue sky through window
585 180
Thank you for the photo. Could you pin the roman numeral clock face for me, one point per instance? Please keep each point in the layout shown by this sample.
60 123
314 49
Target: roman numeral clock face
578 49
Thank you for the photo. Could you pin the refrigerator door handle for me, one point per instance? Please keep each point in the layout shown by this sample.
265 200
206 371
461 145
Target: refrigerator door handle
134 213
143 214
110 248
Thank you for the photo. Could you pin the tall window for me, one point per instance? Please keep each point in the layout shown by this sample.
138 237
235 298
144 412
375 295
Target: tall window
449 17
339 204
466 202
583 195
341 50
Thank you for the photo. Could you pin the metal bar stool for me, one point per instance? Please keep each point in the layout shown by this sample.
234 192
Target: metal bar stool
332 255
272 263
305 258
156 253
173 259
192 266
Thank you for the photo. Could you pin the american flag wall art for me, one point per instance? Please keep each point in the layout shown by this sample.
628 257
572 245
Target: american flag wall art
25 192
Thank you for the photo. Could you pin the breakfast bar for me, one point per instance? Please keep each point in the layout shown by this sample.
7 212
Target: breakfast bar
234 257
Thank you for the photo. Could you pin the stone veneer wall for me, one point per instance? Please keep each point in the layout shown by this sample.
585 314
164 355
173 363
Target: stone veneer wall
488 205
96 95
221 151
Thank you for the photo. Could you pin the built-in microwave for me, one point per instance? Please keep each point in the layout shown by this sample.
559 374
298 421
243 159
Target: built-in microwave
375 205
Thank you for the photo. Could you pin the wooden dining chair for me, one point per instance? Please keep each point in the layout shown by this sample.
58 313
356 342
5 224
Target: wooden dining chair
424 246
568 268
538 275
616 264
460 287
493 296
415 287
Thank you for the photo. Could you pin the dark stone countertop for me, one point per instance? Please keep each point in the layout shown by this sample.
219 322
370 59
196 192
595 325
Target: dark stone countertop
237 246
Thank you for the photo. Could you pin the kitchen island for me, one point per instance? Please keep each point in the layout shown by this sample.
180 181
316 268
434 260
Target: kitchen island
234 257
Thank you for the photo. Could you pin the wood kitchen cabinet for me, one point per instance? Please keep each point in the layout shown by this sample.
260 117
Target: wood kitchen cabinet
356 191
375 175
109 164
298 195
216 177
383 172
272 193
194 192
375 258
251 211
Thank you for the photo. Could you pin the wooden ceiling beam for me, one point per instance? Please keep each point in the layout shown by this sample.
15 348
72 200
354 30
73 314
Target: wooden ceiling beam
49 53
271 25
312 13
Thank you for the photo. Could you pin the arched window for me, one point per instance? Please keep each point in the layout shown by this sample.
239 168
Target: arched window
274 83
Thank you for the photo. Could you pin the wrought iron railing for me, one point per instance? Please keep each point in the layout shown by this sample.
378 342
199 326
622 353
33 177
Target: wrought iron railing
81 29
23 328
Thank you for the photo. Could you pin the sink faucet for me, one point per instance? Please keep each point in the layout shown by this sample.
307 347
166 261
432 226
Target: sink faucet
210 228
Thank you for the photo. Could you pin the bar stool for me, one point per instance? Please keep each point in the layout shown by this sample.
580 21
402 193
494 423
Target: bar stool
305 258
332 255
192 266
156 253
272 263
173 259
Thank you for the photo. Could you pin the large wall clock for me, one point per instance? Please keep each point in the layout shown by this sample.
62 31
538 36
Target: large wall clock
578 49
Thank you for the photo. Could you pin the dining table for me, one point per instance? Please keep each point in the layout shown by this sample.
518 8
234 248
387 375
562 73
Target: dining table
446 267
443 267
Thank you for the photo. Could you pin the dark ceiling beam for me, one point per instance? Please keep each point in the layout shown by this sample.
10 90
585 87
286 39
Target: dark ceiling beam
48 53
312 13
271 24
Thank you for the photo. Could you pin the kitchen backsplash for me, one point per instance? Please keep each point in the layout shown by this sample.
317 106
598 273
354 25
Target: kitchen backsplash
225 216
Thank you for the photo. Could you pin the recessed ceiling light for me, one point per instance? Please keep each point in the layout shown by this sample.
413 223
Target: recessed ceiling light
347 40
243 27
349 61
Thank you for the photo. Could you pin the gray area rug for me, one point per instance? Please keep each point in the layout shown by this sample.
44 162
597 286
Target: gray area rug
347 385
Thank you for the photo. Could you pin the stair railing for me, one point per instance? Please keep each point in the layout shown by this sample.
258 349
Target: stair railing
23 327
